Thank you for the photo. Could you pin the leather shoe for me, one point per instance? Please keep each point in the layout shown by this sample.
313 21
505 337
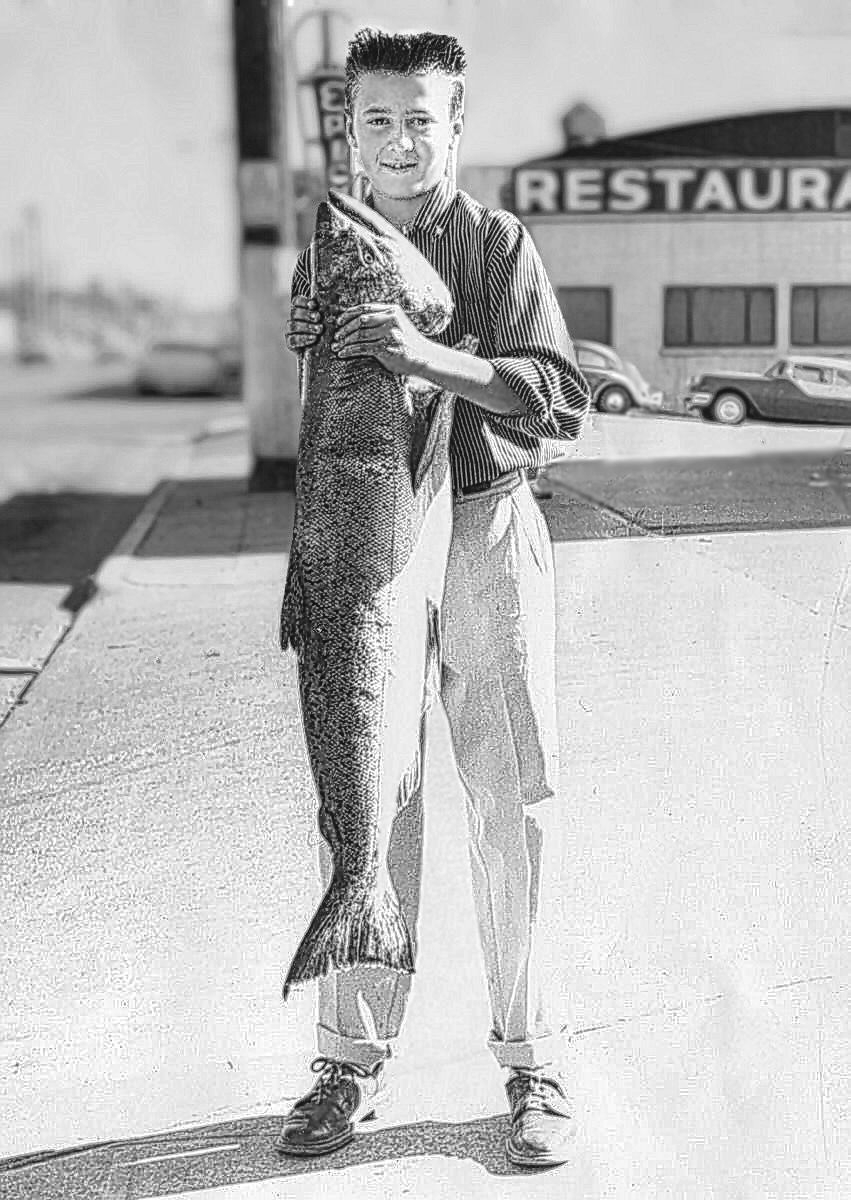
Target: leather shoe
543 1127
325 1119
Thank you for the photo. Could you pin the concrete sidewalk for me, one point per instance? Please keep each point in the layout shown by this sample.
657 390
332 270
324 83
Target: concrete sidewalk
158 840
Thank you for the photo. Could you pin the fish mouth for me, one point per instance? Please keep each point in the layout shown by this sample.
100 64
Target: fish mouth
341 206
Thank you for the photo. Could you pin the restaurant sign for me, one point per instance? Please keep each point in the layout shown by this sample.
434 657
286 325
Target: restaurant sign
694 189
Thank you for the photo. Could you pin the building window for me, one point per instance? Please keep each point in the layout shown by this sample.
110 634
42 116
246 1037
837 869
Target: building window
719 316
821 316
587 312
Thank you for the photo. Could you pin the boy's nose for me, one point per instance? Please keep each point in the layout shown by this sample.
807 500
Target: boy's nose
400 137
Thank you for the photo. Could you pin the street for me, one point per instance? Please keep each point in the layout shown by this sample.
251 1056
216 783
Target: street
80 454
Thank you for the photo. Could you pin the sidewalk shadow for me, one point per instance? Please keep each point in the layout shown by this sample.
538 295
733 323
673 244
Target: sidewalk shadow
61 537
243 1152
802 490
126 389
219 516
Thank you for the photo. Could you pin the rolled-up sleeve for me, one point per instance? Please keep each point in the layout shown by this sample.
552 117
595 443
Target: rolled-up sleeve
534 353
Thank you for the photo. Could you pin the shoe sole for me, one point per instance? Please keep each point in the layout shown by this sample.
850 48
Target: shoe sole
517 1160
523 1160
317 1149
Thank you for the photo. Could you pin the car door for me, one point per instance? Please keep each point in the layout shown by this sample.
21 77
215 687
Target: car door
818 402
776 395
837 401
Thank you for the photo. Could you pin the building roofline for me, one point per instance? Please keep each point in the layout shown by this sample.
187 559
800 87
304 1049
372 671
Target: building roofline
797 133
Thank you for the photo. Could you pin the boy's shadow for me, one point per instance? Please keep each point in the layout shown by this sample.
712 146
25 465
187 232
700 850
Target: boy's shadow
244 1151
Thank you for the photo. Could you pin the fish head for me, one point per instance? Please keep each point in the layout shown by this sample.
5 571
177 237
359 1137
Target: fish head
360 258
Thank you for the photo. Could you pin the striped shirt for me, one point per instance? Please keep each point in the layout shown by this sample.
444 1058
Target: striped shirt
503 297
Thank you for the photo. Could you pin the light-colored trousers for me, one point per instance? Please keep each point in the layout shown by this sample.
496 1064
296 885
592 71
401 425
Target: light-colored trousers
498 690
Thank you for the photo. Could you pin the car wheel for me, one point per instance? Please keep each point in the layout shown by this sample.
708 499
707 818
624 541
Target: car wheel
615 400
728 408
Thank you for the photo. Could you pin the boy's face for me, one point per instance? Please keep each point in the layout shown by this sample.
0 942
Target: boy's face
400 125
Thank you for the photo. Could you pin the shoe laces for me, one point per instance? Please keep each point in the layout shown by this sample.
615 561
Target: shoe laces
533 1090
331 1072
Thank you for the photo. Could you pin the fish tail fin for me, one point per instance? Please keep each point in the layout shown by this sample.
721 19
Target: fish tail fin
347 931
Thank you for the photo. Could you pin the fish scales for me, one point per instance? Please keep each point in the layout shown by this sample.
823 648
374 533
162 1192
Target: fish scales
364 583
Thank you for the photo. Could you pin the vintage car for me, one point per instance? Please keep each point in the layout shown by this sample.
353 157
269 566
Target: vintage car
799 387
187 368
616 385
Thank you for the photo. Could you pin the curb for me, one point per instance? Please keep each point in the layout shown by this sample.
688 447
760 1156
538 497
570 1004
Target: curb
222 427
111 570
16 678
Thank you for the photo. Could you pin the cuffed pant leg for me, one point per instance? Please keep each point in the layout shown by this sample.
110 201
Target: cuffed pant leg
499 695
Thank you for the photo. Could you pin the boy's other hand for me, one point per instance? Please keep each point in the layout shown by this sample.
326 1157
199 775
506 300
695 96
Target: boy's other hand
384 332
305 325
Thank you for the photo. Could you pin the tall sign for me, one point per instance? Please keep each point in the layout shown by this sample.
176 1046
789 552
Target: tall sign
318 46
329 85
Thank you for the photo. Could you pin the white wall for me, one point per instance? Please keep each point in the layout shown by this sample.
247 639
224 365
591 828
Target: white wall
639 257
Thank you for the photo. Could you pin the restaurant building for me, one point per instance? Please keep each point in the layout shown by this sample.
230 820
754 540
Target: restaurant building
720 244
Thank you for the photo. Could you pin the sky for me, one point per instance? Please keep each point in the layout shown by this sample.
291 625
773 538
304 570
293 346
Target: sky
117 116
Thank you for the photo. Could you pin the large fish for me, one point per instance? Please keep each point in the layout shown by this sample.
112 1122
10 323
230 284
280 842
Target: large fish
365 579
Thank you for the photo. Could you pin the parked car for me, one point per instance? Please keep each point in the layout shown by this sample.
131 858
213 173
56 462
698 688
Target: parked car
616 384
799 387
172 368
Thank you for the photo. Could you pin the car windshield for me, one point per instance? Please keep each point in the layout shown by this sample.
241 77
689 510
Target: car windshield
592 358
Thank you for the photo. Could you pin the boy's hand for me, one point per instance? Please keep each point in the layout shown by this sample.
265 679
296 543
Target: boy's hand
305 324
381 331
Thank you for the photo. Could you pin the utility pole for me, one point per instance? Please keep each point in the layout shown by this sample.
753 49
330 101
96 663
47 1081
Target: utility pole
270 377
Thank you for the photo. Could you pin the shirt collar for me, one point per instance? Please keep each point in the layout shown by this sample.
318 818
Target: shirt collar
434 214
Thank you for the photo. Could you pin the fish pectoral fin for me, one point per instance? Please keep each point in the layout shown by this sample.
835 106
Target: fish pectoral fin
432 408
411 780
430 427
422 392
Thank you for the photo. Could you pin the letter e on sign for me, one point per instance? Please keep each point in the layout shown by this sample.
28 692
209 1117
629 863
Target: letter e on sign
536 190
332 95
583 189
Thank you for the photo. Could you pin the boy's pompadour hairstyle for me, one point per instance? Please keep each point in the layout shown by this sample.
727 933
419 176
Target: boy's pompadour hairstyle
373 50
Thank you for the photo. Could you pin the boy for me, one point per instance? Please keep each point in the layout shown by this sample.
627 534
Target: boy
518 401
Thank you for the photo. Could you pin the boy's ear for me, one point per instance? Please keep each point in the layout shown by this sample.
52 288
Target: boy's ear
457 128
350 129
